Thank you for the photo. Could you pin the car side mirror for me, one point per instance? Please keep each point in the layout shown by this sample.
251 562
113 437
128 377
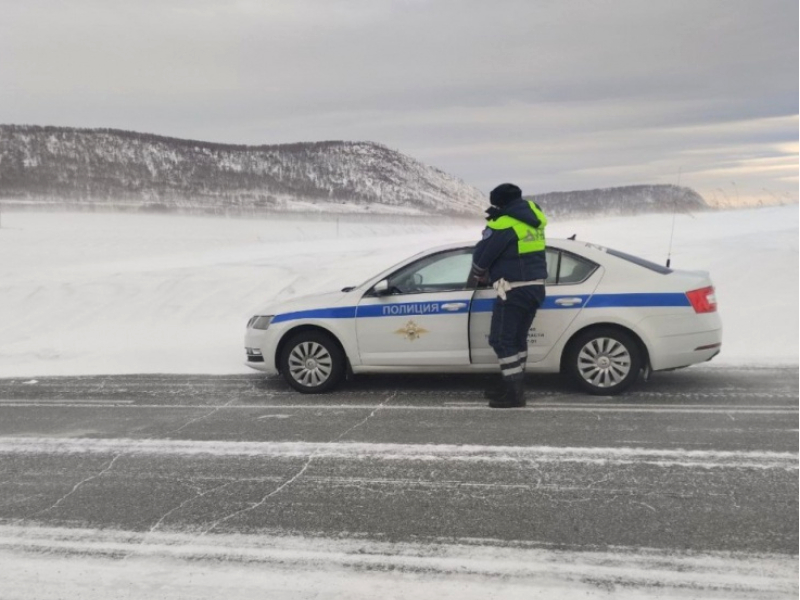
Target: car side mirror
381 288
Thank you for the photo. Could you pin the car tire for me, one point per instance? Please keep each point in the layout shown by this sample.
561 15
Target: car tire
603 361
312 362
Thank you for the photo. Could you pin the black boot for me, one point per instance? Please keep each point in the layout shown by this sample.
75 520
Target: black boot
519 391
495 391
513 395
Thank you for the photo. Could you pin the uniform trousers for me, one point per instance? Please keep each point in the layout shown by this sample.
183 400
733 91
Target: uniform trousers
511 320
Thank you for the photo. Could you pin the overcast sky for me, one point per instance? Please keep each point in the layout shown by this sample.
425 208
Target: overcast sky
554 95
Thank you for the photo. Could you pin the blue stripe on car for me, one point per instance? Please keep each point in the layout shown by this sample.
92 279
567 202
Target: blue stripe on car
600 301
483 305
344 312
403 309
626 300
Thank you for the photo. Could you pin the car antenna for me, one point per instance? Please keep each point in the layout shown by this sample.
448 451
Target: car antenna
672 232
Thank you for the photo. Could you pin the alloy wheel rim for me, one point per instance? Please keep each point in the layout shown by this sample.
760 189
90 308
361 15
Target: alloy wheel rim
604 362
310 364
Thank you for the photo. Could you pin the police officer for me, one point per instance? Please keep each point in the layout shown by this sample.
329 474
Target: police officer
511 256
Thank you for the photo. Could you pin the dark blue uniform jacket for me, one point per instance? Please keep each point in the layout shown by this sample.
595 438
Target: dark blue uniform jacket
498 253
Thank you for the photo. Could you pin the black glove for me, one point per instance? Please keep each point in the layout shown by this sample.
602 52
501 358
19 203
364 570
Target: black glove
477 278
492 213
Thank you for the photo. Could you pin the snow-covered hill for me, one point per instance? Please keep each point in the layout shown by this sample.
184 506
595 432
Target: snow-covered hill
106 168
122 168
627 200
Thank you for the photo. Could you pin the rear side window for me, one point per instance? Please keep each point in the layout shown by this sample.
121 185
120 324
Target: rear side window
564 268
639 261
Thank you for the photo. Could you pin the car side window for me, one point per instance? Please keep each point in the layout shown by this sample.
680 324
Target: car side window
553 257
445 271
564 268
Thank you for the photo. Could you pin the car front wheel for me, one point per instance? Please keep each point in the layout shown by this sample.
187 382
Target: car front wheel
604 361
312 362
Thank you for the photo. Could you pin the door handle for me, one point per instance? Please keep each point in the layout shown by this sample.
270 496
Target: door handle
568 301
453 306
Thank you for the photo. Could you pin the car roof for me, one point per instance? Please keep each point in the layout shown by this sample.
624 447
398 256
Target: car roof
560 243
594 252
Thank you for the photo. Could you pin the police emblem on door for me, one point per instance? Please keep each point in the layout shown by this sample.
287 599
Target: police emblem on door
411 331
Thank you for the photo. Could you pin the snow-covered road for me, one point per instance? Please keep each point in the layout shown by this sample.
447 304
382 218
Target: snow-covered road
57 563
195 487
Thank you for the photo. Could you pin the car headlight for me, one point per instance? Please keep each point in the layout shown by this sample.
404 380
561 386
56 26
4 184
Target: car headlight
259 322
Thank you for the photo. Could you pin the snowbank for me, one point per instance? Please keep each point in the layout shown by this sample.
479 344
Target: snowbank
113 293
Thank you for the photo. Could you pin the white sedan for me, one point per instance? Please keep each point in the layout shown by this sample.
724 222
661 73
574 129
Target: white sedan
608 317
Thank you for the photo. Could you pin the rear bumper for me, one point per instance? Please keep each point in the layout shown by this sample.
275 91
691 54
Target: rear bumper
684 351
680 342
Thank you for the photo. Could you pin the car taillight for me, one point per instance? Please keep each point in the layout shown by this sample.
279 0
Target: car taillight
703 300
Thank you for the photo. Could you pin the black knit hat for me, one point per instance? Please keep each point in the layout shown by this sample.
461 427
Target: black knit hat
504 193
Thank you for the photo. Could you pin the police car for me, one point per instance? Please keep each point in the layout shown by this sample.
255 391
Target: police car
608 317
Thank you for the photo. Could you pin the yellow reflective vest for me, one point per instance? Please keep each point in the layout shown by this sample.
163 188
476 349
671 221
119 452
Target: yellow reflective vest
529 238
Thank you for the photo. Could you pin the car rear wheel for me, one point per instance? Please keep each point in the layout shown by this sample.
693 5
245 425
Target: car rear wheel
604 361
312 362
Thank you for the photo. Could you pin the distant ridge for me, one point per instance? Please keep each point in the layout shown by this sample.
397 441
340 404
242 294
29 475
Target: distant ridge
108 168
124 168
627 200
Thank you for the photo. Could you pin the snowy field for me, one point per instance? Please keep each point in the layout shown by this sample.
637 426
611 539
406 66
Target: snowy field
120 293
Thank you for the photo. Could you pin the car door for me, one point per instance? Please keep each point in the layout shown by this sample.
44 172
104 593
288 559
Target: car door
419 315
571 282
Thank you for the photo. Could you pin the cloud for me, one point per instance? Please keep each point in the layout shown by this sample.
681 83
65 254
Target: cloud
557 95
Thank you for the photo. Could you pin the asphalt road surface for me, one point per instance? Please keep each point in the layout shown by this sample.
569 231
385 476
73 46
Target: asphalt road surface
696 463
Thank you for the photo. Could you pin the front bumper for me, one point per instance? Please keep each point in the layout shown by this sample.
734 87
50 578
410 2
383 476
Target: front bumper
260 351
254 355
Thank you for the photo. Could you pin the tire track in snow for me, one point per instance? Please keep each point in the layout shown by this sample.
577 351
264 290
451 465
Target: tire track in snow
410 452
